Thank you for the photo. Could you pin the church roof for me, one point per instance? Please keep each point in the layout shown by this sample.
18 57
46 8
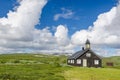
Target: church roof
79 53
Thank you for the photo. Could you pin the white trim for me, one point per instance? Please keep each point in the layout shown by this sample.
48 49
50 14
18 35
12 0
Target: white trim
72 61
88 54
96 62
78 61
68 61
84 62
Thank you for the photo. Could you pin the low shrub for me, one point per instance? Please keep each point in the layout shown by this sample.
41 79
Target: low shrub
7 76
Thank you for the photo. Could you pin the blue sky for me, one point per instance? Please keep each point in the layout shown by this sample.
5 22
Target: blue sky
85 12
68 21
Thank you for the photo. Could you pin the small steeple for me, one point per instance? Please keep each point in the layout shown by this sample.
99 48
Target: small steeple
87 44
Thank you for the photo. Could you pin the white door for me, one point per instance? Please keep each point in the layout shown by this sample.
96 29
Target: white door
84 62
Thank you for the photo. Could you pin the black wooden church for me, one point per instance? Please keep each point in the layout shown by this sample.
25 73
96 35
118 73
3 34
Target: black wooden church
85 58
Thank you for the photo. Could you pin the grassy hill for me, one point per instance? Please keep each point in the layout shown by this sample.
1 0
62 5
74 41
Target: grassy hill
31 67
114 59
50 67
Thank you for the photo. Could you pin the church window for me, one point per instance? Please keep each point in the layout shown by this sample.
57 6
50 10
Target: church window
96 62
72 61
88 54
68 61
78 61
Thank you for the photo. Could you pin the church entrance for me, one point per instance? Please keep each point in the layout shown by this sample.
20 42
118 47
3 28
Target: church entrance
84 62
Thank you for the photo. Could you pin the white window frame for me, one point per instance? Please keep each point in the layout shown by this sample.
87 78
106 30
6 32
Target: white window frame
78 61
68 61
96 62
88 54
72 61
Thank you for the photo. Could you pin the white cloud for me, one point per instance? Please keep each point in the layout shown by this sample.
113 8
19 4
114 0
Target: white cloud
19 24
66 14
44 41
103 33
17 29
62 35
105 30
63 42
18 33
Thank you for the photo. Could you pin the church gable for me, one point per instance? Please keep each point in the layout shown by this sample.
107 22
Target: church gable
90 54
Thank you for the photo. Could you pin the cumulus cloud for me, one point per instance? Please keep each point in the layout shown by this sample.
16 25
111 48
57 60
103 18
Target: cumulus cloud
62 35
105 30
18 33
44 41
19 24
103 33
66 14
17 29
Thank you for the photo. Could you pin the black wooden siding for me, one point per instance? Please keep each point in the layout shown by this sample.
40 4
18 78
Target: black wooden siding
90 60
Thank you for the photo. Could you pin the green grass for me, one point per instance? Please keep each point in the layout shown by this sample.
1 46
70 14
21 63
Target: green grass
49 67
31 67
77 73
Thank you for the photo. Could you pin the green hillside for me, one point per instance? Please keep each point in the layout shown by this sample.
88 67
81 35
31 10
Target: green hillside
115 60
50 67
